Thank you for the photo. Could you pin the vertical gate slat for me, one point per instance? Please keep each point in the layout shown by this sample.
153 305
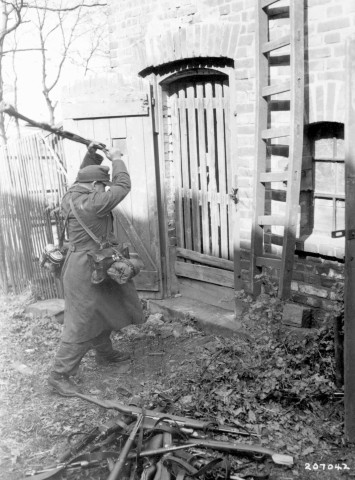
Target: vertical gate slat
9 228
229 171
36 183
177 165
34 198
30 179
12 230
221 156
185 170
46 167
26 206
195 210
212 186
3 225
23 239
37 200
31 197
203 169
17 221
49 182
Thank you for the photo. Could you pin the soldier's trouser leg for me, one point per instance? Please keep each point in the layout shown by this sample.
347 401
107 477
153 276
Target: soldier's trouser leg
68 358
103 344
105 353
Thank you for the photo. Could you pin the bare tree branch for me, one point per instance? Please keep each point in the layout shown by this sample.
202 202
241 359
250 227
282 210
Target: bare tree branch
17 9
15 82
15 50
66 42
67 9
9 12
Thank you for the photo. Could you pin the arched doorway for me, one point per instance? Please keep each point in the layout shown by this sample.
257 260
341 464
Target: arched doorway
195 142
199 107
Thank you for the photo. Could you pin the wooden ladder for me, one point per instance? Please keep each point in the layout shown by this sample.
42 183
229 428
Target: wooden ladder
267 145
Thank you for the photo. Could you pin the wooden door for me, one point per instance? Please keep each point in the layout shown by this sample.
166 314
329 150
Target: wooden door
136 218
199 110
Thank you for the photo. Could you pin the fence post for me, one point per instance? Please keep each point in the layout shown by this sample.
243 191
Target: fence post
3 269
349 297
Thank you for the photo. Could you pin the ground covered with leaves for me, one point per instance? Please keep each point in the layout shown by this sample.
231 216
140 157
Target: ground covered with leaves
274 384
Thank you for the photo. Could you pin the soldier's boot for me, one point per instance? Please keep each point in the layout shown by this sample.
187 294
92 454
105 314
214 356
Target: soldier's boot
105 354
112 357
63 385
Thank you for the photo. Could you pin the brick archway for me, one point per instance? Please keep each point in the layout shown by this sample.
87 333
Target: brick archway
326 102
214 39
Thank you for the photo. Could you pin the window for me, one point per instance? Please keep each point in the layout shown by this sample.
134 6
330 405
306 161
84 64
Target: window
328 178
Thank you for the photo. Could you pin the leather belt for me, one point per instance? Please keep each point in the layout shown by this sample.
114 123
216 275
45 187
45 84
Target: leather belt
74 248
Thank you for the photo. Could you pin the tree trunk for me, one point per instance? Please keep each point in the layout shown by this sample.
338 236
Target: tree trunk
50 106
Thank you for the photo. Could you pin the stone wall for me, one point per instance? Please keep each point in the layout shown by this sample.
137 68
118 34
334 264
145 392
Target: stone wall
148 33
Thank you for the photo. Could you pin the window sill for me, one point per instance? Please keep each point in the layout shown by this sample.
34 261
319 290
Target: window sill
322 245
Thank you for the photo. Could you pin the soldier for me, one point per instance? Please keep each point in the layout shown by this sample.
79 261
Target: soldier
92 311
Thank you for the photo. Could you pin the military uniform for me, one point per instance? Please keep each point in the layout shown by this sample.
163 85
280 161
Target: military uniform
92 311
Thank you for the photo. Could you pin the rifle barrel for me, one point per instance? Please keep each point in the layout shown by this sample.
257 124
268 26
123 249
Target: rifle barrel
114 475
172 420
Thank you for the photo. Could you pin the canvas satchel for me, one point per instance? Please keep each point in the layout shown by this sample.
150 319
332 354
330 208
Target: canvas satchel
109 261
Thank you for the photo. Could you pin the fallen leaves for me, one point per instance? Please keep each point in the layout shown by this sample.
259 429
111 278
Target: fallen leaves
278 388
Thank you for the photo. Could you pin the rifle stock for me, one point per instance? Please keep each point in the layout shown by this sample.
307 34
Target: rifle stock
245 448
172 420
12 112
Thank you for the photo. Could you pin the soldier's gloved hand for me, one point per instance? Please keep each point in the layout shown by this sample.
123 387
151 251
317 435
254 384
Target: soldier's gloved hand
113 154
92 147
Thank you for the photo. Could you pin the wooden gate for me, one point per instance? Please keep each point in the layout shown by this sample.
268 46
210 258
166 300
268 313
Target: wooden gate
136 218
32 183
199 109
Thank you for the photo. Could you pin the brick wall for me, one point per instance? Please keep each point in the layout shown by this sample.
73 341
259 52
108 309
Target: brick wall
147 33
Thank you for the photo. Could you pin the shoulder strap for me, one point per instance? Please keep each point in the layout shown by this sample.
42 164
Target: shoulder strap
87 229
61 238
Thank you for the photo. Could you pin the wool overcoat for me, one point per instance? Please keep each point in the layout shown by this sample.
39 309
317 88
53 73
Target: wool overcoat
89 308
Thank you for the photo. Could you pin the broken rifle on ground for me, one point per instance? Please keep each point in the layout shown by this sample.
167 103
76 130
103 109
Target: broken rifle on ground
190 433
12 112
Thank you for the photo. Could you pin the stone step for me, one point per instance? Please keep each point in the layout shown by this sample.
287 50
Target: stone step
53 307
209 318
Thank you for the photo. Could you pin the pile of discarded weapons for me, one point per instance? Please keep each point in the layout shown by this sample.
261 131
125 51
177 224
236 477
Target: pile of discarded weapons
141 444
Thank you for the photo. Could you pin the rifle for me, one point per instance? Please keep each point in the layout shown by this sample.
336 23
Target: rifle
12 112
85 460
115 474
172 420
237 447
185 422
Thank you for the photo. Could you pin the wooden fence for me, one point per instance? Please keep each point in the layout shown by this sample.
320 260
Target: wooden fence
32 183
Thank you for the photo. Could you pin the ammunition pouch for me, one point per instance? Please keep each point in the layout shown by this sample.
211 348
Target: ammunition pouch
113 263
109 261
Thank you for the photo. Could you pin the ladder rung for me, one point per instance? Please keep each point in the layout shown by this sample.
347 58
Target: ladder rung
267 3
274 89
279 105
266 177
268 262
275 44
275 220
279 150
279 61
278 12
278 195
275 132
